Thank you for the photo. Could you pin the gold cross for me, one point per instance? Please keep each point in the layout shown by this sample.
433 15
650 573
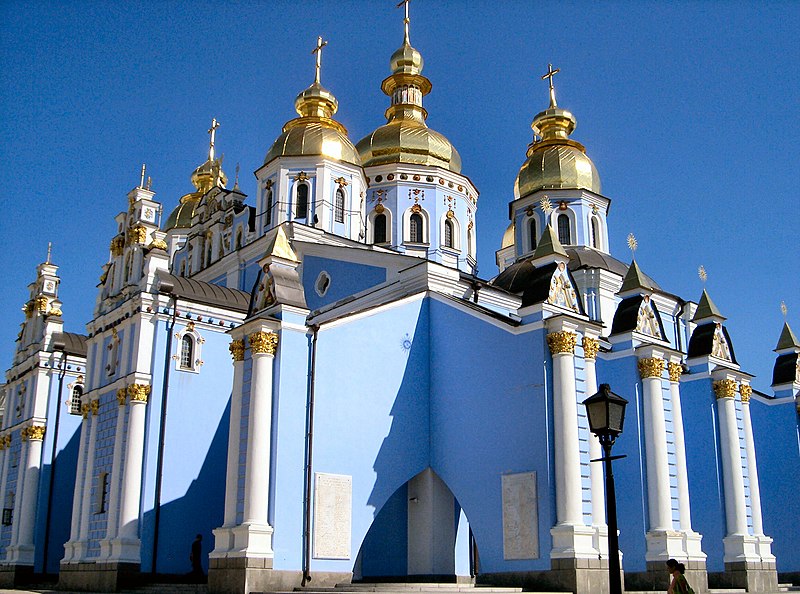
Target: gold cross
406 20
318 50
550 74
213 131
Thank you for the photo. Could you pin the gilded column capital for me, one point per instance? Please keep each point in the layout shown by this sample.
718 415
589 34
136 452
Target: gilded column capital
725 388
138 392
8 441
236 347
651 367
675 371
263 343
590 347
33 433
746 391
94 406
2 443
122 395
562 342
85 411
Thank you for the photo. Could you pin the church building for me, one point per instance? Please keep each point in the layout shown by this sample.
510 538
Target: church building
316 381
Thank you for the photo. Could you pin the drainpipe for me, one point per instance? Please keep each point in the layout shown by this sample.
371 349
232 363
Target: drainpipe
163 288
62 372
309 451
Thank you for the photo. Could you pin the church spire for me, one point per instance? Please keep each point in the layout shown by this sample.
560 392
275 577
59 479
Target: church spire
316 101
406 20
549 75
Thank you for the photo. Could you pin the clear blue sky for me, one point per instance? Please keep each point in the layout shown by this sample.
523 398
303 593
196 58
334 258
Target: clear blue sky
688 109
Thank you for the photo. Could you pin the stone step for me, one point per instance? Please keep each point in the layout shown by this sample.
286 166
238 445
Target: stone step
421 587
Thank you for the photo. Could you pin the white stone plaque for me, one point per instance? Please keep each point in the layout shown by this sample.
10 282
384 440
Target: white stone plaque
333 497
520 516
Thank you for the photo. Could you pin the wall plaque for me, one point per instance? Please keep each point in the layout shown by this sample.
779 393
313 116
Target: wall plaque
520 516
333 496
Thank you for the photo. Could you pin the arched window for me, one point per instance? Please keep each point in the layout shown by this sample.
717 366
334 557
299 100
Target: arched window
268 215
183 268
238 238
470 238
563 230
75 400
209 253
595 233
379 230
415 228
301 208
187 352
448 233
339 206
532 232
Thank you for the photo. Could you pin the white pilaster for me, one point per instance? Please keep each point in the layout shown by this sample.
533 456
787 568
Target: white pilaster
590 348
86 498
253 538
80 479
21 550
223 536
114 491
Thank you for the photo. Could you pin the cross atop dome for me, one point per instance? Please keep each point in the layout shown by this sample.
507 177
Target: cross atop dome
549 75
213 132
406 20
318 51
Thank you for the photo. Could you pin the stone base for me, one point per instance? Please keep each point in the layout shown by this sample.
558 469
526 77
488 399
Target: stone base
754 576
99 577
656 577
242 575
581 576
12 576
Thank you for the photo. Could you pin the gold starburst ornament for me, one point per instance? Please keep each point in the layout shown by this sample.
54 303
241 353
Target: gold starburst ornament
632 243
784 309
546 205
701 272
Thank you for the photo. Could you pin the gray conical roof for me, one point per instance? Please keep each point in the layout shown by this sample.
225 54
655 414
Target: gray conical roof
549 245
706 309
787 340
634 279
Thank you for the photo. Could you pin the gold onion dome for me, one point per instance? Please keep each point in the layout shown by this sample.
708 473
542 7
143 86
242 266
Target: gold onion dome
406 138
315 132
555 160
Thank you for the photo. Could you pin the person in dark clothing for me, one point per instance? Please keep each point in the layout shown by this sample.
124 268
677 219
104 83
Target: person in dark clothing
196 556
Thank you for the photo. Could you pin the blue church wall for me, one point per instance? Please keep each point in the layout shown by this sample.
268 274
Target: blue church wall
701 428
630 473
104 452
288 445
384 551
774 427
13 452
195 451
372 390
347 278
248 276
469 406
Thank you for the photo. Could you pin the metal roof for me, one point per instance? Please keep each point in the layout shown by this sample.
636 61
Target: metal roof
202 292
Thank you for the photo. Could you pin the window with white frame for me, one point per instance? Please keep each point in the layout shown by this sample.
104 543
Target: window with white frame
301 204
379 228
338 210
268 212
595 229
532 232
188 352
75 399
415 228
564 234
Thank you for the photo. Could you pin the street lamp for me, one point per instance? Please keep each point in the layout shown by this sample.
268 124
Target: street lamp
606 413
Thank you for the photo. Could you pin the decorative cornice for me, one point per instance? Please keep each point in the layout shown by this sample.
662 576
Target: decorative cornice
651 367
746 391
122 395
138 392
263 343
675 371
236 347
725 388
590 347
562 342
33 433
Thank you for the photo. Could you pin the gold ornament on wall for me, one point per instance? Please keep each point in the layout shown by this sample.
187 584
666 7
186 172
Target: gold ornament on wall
562 342
263 343
725 388
651 367
41 304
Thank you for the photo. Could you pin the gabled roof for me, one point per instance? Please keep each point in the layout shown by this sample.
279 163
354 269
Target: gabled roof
204 293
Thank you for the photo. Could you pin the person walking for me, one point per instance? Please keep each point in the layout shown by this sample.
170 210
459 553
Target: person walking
196 557
679 585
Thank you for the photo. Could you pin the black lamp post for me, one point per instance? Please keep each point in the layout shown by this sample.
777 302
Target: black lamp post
606 413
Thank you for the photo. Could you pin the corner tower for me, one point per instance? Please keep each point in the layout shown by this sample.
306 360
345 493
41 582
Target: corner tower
418 201
312 172
557 168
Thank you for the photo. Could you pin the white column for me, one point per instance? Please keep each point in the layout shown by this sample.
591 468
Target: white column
5 454
675 370
126 548
223 537
254 537
735 510
22 550
590 348
86 497
77 491
655 427
752 471
112 522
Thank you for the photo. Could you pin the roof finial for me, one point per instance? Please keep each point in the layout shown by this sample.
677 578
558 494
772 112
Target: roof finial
213 132
632 244
318 50
50 248
549 75
547 206
784 309
701 272
141 181
236 181
406 20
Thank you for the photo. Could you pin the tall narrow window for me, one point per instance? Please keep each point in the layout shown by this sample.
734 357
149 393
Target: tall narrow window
533 234
470 249
268 215
339 206
301 209
595 233
187 351
75 400
8 509
448 233
238 238
209 252
563 230
379 231
415 228
102 493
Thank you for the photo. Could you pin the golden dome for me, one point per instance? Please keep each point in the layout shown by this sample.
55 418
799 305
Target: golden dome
406 60
181 217
556 161
315 132
508 237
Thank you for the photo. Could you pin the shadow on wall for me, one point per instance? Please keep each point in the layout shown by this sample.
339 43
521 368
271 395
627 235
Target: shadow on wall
199 511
